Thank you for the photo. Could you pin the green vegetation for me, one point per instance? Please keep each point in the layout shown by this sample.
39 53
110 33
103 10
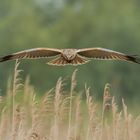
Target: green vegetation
73 24
70 110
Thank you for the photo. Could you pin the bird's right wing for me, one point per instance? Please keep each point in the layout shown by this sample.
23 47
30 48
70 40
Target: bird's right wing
106 54
32 53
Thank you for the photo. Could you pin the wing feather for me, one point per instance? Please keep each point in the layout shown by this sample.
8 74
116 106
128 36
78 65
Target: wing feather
101 53
32 54
61 61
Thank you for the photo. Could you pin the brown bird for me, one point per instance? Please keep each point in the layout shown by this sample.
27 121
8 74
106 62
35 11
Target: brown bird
71 56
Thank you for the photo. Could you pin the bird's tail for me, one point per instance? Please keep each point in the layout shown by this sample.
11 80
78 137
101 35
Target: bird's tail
79 60
60 61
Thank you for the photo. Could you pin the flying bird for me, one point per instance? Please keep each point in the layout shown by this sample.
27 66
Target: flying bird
71 56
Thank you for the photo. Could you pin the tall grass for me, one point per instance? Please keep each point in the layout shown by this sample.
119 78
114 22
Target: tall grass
63 115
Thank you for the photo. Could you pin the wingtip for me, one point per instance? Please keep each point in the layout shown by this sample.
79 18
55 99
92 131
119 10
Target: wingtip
134 58
5 58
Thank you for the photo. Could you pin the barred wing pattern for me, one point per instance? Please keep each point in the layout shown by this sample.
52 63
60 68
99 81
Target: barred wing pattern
106 54
61 61
71 56
32 54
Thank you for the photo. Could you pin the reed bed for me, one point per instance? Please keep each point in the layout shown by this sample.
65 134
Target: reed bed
63 115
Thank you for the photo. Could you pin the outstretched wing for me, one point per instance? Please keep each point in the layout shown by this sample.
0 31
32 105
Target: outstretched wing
32 53
101 53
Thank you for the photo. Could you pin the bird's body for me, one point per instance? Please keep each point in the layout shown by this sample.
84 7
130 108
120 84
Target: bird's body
70 56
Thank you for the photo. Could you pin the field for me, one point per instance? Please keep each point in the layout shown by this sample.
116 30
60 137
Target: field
63 115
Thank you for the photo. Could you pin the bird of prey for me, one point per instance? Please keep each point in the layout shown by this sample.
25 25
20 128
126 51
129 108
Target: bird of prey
71 56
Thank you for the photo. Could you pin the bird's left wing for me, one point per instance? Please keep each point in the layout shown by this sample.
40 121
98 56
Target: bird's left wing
32 53
101 53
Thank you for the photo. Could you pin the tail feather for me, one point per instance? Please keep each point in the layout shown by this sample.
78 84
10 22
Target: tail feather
60 61
79 60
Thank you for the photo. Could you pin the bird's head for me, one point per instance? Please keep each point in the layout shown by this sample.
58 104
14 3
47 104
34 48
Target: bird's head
69 54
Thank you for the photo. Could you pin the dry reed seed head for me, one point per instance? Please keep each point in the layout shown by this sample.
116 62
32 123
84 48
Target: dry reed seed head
107 101
34 105
114 106
78 114
78 106
58 96
16 122
92 109
119 117
107 106
125 110
17 71
90 101
17 111
17 81
87 94
58 86
17 117
35 116
73 85
35 109
49 94
58 93
126 121
78 119
114 113
64 108
46 106
58 89
58 100
122 127
107 97
34 136
73 80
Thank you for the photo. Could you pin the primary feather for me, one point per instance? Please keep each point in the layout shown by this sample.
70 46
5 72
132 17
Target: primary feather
32 54
106 54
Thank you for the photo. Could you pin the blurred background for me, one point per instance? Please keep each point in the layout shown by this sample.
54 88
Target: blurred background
73 24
